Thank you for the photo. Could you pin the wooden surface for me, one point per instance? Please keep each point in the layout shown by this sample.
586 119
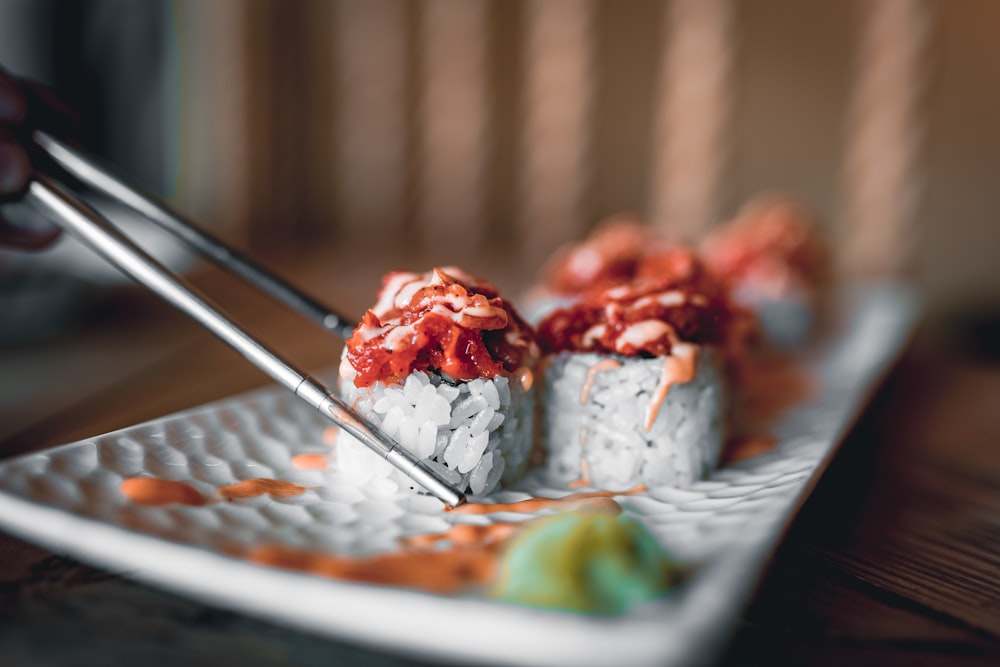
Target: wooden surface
895 559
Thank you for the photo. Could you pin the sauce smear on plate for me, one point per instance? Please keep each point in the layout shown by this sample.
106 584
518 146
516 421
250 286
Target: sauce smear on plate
155 492
470 561
259 486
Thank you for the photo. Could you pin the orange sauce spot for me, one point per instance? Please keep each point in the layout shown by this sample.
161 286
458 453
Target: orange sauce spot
768 385
330 435
260 486
471 560
526 377
584 472
463 534
152 491
311 461
678 367
742 448
591 500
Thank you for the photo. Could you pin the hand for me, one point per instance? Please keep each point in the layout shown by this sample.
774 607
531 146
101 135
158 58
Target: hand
25 106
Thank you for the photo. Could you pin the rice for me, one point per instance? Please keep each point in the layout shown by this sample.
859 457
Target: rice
475 433
598 408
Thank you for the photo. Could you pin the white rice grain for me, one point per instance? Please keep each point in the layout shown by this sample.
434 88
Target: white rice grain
474 449
394 419
467 408
479 422
426 440
491 395
408 430
457 443
477 480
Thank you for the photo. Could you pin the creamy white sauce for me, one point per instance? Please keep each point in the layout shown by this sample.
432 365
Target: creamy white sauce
585 263
464 309
593 334
642 333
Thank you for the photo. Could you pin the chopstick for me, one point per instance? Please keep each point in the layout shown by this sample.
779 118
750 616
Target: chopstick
62 205
85 169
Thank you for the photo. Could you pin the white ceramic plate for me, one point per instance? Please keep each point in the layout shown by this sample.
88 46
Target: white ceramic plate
68 499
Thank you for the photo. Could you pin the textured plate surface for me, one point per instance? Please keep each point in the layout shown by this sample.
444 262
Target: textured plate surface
68 498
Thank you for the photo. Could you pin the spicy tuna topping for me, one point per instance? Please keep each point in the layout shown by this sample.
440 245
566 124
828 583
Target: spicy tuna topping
772 244
672 299
443 320
613 254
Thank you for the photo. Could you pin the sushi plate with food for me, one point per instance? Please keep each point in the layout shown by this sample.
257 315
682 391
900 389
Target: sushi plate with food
631 451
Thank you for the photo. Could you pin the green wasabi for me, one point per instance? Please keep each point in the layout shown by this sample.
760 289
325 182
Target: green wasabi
586 562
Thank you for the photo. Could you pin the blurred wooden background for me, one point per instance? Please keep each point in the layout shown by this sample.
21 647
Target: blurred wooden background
449 129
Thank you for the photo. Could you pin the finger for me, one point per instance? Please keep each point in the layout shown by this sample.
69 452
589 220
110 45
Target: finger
25 229
13 104
21 105
19 231
15 167
27 237
30 104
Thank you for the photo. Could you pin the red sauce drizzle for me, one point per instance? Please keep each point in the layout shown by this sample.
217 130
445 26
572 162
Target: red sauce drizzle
463 535
311 461
741 448
260 486
599 367
768 386
584 478
592 500
155 492
444 320
678 368
470 561
772 383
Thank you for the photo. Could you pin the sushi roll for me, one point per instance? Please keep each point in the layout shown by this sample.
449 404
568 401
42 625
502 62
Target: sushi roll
444 365
776 263
634 391
611 255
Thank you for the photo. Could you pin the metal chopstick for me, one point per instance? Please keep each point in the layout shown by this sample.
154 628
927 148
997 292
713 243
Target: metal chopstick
92 174
103 237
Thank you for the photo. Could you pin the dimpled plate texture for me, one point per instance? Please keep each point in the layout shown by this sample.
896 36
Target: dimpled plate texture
68 499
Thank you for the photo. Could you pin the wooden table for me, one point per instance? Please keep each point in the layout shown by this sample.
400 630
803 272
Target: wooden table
895 559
